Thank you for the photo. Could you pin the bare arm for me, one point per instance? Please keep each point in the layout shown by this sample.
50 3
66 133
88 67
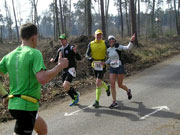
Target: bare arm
44 76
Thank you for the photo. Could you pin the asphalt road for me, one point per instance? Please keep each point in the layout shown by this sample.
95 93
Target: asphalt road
153 110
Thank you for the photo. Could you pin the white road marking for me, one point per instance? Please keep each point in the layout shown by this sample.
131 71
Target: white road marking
158 108
75 112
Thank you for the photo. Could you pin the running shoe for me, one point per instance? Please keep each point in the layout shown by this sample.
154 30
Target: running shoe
129 94
77 98
108 90
113 105
74 102
96 104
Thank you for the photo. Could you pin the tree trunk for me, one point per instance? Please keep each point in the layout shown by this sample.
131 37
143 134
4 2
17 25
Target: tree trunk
121 16
103 18
127 18
57 20
86 17
89 18
36 17
69 16
107 9
65 15
15 21
54 21
177 18
61 14
139 18
133 19
152 18
1 34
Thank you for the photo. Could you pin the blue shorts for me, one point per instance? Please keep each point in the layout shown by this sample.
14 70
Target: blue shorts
118 70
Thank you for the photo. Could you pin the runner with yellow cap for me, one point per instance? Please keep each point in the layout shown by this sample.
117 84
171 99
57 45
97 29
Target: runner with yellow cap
96 54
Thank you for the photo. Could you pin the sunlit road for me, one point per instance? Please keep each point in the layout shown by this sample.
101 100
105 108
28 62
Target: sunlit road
154 109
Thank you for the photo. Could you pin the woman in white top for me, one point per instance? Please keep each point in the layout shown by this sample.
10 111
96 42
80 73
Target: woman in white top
116 67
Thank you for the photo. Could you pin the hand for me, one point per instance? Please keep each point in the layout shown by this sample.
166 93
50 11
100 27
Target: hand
5 101
75 49
103 63
63 62
133 38
51 60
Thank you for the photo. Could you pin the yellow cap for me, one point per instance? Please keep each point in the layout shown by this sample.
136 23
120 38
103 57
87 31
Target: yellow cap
98 31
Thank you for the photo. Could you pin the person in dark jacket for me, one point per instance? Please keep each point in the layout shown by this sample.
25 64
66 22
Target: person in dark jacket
70 52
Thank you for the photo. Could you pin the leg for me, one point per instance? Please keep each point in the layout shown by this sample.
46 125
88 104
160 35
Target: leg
70 90
40 126
120 82
66 85
25 121
98 89
112 78
124 87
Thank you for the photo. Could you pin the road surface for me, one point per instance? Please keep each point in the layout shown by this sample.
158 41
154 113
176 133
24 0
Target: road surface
153 110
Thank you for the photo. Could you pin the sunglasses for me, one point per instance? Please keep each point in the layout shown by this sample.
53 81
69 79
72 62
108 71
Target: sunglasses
111 39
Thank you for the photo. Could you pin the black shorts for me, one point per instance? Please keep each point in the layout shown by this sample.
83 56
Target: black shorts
99 74
66 76
25 121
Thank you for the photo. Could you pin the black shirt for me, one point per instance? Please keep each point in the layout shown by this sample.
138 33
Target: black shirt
67 52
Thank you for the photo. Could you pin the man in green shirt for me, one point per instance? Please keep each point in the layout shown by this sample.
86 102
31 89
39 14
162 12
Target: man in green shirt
27 72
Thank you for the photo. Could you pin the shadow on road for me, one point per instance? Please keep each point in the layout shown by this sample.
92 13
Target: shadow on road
141 111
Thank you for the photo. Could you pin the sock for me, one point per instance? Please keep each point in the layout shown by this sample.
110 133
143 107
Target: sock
71 93
98 93
74 91
104 85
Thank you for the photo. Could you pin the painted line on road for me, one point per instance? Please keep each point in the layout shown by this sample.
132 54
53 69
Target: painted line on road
75 112
159 108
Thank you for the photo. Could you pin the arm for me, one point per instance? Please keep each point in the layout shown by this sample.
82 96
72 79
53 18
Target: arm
57 55
44 76
108 61
77 55
88 53
107 44
128 47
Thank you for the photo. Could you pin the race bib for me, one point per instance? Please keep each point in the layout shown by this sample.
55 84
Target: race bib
98 66
72 71
115 63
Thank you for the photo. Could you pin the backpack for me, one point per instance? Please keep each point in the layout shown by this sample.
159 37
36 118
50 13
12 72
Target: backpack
120 53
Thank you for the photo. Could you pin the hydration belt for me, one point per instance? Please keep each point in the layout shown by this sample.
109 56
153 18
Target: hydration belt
28 98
